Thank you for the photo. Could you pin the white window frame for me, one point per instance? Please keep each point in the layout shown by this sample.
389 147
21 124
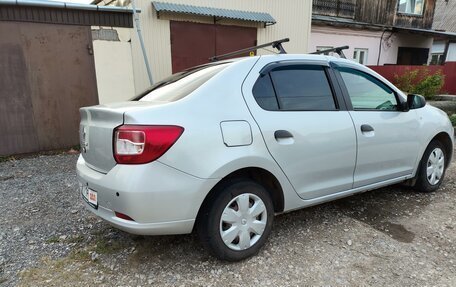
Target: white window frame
408 7
357 55
439 56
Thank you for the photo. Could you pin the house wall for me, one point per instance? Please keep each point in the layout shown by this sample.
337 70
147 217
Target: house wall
451 55
336 37
389 54
356 38
385 12
113 64
293 20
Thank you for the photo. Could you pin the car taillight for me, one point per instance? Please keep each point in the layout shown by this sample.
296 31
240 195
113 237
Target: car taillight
143 144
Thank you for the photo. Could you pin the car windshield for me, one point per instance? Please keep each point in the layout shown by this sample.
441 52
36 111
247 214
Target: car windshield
181 84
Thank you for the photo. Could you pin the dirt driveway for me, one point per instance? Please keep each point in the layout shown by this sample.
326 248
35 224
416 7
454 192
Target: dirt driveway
391 236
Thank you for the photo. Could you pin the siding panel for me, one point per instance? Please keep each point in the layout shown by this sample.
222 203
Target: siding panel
293 20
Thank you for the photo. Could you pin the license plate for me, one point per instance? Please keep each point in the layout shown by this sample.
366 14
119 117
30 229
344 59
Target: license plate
90 196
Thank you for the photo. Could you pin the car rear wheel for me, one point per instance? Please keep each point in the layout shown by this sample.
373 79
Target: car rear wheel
432 168
236 223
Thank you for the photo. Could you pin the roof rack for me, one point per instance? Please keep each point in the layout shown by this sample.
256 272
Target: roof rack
337 50
275 44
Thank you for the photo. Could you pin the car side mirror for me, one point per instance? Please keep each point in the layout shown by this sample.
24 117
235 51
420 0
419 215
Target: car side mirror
415 101
404 107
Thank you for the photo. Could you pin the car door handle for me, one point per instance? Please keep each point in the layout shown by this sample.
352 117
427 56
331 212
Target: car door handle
366 128
282 134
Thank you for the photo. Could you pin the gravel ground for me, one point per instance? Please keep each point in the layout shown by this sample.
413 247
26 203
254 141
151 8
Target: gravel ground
391 236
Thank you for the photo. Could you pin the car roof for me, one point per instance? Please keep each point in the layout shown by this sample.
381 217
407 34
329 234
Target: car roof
290 57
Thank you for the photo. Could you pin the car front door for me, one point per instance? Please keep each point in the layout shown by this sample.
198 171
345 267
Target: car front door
305 125
387 137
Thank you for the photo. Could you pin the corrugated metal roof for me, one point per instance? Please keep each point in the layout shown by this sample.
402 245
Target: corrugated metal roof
444 16
214 12
65 5
64 13
338 21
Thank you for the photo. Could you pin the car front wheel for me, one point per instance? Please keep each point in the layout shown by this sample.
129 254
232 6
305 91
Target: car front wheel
432 168
235 224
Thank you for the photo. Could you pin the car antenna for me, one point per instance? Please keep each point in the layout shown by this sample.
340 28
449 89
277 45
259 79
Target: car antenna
337 50
275 44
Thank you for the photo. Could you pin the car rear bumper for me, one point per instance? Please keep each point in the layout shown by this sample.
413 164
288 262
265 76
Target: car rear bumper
159 228
160 199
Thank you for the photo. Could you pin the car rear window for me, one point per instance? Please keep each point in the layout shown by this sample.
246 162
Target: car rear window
181 84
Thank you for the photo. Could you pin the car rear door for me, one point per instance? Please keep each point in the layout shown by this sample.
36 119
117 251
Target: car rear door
305 124
387 137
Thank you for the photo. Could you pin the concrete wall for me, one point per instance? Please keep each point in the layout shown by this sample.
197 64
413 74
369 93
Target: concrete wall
293 20
366 39
113 64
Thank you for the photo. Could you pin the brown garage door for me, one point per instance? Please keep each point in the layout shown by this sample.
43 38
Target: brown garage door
46 75
194 43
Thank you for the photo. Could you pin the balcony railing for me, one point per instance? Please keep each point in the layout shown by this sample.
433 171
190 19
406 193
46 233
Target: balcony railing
337 8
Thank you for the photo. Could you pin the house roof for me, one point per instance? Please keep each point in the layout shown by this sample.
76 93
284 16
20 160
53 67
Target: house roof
214 12
41 11
346 22
444 16
65 5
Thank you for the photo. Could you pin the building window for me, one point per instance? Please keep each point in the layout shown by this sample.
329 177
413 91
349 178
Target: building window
436 59
360 55
414 7
321 48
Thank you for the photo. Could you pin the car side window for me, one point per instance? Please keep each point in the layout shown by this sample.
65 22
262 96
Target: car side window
295 88
303 88
368 93
264 94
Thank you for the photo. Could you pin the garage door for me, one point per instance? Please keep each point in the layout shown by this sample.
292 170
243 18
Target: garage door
46 74
194 43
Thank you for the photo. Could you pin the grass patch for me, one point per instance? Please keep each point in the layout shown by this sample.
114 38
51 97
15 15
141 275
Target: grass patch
6 158
80 255
59 272
53 239
104 246
77 268
70 239
75 239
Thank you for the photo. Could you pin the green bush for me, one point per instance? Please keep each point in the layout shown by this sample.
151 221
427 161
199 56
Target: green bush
421 82
453 119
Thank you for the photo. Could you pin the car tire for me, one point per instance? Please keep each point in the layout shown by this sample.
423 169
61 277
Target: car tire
431 171
236 221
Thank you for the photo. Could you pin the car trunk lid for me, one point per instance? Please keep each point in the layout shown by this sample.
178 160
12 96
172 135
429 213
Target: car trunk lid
96 134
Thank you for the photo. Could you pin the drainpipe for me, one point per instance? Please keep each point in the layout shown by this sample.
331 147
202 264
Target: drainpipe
445 52
380 47
141 41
